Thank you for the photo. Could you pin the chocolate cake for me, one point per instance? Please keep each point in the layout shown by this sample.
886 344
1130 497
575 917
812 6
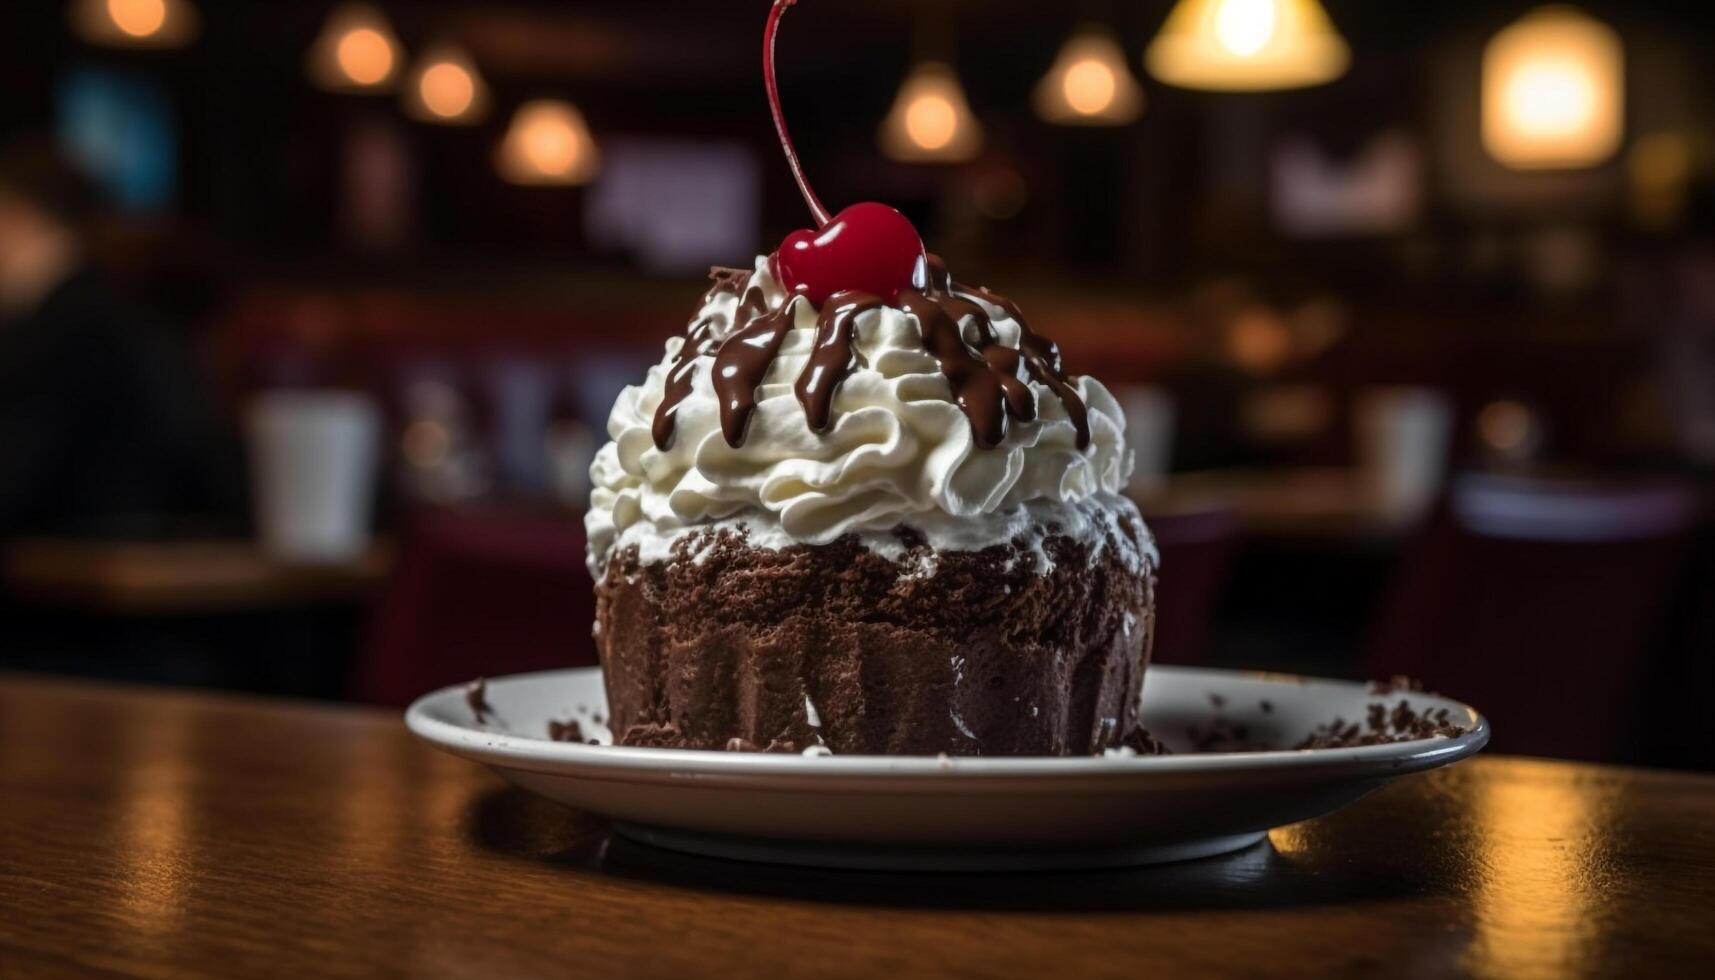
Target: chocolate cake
836 645
861 507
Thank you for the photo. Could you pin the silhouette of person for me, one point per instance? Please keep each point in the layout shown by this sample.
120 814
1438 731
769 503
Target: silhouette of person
106 429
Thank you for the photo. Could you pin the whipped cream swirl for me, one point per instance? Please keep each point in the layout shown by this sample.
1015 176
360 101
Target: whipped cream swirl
898 449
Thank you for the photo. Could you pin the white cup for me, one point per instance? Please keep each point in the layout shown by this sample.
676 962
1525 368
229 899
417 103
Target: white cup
1149 420
1402 437
313 457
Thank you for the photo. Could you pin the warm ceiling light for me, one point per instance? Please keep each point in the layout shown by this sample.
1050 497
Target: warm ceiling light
135 23
1553 91
446 88
1089 84
548 144
138 18
356 51
365 56
1247 45
930 121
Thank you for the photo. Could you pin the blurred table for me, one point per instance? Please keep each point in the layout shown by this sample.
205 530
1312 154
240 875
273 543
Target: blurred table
168 834
154 578
1301 503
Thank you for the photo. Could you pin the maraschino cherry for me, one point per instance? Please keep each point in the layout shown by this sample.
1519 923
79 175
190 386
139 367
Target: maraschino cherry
867 247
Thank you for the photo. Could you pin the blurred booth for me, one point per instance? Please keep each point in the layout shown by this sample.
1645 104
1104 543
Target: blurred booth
1544 601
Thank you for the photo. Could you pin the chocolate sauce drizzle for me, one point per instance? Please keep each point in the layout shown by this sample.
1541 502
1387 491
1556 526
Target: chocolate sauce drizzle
741 363
1042 360
985 390
679 377
983 374
831 359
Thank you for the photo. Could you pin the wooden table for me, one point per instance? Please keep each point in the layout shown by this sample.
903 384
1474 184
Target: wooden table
159 834
156 578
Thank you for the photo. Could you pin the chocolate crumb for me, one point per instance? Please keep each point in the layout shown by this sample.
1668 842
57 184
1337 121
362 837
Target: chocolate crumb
476 696
1217 700
1401 724
1266 705
565 731
1222 736
1396 684
1143 743
724 278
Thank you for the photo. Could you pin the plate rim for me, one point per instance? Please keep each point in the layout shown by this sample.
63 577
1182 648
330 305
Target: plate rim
635 763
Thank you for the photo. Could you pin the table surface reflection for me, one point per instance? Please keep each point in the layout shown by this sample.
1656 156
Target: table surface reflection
151 834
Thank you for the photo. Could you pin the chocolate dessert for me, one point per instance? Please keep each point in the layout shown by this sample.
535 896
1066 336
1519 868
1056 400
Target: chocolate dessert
861 507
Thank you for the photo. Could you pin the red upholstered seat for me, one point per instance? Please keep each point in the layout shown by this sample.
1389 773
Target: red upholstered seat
1197 552
1539 602
479 593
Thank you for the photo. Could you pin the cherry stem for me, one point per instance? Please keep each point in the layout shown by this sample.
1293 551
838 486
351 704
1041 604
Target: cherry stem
816 208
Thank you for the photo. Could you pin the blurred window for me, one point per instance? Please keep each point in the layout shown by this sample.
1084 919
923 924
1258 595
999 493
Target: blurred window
1377 193
677 205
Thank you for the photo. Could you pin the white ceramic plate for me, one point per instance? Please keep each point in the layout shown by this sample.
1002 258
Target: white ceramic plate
916 812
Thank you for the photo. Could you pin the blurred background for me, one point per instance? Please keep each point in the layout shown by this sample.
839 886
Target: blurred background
311 314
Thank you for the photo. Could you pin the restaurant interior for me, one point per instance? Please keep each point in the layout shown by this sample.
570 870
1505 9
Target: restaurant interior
1411 309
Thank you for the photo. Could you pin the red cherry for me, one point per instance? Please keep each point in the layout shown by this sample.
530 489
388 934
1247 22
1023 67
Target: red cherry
867 247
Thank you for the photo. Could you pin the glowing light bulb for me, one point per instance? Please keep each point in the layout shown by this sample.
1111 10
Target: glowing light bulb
1089 87
548 143
1244 27
446 88
1553 86
1247 45
355 51
134 23
1089 84
1551 99
930 121
365 56
138 18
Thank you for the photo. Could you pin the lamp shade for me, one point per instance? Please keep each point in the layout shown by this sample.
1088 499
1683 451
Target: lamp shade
930 121
1247 45
548 144
356 51
1553 91
135 23
446 88
1089 84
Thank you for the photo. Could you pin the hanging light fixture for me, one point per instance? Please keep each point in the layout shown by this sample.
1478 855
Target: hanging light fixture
357 51
1553 91
1247 46
446 88
135 23
1089 84
548 144
930 121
